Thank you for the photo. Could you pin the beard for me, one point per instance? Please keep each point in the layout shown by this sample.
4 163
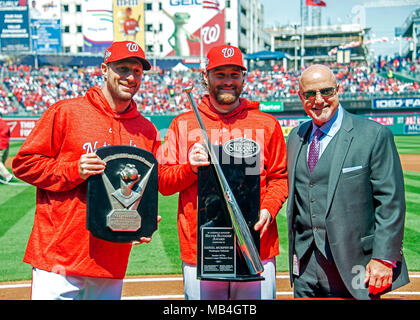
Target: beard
225 98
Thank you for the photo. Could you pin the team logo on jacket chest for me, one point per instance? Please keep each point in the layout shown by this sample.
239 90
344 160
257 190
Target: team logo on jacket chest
241 148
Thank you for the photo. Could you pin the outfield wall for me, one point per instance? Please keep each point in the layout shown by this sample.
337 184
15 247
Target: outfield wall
400 123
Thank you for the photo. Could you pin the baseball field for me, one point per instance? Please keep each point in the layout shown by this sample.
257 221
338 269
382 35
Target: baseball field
160 258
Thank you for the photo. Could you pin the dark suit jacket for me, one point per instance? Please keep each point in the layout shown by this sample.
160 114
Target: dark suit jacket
365 207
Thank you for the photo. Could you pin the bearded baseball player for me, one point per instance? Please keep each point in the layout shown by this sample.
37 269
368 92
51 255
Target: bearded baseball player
226 116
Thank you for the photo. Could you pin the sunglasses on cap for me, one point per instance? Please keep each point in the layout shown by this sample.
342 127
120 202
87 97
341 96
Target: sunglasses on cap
325 93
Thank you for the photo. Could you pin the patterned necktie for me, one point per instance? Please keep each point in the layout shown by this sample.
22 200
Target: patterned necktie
314 150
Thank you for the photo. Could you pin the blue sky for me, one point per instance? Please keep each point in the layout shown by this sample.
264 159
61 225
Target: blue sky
381 20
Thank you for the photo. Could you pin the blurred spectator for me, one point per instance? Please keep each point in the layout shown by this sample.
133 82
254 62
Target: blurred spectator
6 103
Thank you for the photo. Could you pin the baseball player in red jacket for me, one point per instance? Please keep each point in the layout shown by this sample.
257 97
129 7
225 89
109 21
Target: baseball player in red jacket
226 116
5 175
58 156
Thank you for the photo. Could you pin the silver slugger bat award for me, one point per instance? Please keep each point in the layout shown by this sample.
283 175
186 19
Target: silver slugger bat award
228 208
122 202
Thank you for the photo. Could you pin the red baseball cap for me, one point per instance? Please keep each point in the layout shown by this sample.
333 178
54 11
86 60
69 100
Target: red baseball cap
224 55
120 50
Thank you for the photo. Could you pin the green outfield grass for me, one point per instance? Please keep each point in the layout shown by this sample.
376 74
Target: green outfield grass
408 144
14 147
161 256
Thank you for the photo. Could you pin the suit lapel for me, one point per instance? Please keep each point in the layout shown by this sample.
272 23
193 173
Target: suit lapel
296 144
345 138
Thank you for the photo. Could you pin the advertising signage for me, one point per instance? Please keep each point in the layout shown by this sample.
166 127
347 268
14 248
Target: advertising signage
14 26
45 26
129 21
98 25
271 106
398 123
192 27
20 128
396 103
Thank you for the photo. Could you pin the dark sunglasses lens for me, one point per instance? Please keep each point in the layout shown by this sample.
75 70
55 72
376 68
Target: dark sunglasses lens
310 94
327 91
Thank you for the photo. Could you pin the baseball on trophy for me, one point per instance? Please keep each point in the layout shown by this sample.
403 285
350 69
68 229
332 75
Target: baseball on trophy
129 173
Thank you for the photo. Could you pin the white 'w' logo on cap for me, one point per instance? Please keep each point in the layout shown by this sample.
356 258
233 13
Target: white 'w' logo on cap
228 52
132 47
107 55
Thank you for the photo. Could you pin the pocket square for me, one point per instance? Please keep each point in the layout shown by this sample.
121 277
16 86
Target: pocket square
345 170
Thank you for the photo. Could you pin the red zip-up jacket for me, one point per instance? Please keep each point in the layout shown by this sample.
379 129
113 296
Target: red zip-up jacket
4 135
176 174
48 159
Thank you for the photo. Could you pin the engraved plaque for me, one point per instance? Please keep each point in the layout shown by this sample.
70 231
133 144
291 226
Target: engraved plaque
123 220
218 252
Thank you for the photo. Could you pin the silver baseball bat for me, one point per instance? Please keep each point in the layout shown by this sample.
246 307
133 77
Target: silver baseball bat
240 227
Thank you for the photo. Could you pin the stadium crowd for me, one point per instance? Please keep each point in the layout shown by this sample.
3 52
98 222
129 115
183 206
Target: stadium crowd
6 103
161 91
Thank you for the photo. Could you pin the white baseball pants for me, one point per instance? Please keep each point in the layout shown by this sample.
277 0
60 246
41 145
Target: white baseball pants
54 286
195 289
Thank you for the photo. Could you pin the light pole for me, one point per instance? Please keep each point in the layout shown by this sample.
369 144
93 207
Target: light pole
35 43
295 39
155 47
302 42
414 54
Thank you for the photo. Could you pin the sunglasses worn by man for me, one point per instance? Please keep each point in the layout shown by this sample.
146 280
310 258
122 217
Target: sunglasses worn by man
325 93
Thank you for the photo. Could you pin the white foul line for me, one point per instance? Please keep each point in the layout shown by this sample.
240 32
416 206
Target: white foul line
14 286
159 279
151 279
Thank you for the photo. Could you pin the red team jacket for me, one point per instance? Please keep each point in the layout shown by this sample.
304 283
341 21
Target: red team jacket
4 135
49 158
176 174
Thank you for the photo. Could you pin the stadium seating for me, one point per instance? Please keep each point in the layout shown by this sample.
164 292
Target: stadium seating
161 92
6 103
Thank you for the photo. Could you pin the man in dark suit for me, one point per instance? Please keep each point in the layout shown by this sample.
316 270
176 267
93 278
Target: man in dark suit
346 204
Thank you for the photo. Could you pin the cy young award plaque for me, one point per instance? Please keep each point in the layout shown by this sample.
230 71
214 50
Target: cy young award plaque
122 202
218 254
